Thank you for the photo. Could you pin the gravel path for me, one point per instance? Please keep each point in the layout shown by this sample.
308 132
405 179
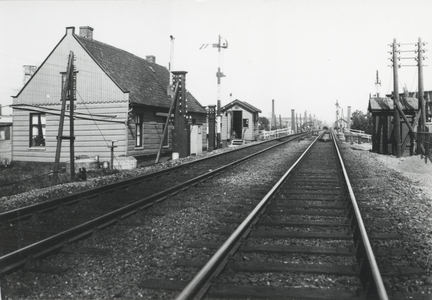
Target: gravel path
147 244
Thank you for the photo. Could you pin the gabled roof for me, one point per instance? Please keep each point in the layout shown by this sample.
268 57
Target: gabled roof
381 104
243 104
145 81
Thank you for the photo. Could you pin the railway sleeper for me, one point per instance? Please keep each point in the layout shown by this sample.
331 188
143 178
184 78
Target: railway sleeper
266 267
304 235
227 291
288 249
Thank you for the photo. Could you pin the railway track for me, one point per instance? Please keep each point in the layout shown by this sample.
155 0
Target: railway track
39 229
305 233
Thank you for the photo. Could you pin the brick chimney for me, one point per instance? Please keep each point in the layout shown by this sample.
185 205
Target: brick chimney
151 58
86 32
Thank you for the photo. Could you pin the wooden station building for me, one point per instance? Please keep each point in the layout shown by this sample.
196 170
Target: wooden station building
120 98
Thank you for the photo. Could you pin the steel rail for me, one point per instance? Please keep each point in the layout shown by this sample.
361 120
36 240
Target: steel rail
27 211
379 285
18 258
198 285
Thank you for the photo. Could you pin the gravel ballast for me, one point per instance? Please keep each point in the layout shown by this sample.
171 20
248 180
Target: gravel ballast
148 244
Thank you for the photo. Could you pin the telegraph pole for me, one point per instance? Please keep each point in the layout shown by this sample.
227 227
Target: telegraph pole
396 117
422 100
72 99
420 58
398 109
67 94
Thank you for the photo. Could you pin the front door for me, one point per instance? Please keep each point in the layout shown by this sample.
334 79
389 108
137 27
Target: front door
237 123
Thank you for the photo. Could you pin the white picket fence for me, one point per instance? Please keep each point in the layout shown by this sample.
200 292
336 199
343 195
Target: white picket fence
361 134
276 133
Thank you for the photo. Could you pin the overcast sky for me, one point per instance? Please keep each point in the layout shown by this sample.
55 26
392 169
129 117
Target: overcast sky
304 54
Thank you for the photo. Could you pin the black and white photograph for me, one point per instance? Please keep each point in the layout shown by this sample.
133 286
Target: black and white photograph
216 149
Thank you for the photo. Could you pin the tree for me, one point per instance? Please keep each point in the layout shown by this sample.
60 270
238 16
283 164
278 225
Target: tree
263 123
361 121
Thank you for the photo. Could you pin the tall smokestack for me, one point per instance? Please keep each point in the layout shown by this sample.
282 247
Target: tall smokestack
293 127
273 120
349 118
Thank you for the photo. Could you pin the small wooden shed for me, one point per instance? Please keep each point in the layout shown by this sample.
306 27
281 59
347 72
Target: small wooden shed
239 122
382 110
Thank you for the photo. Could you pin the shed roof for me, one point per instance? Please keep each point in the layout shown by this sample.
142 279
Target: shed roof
385 104
243 104
145 81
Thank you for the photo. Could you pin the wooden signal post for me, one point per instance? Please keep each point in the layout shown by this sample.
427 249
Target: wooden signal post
68 94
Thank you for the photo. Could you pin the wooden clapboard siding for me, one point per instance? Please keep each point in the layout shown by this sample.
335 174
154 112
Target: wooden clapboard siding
91 137
249 112
96 93
92 83
88 141
200 119
152 134
224 129
204 135
249 133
